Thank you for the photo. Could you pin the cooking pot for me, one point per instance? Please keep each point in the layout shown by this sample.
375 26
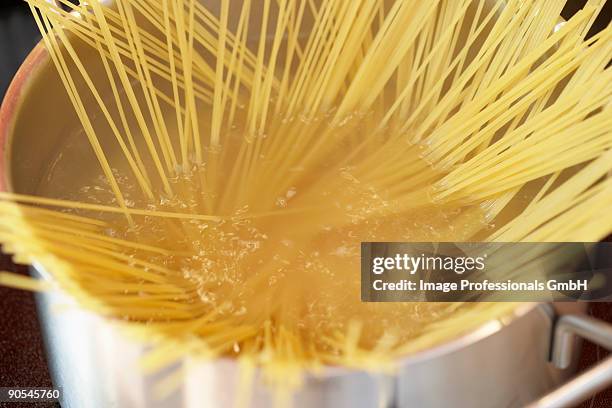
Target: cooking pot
526 358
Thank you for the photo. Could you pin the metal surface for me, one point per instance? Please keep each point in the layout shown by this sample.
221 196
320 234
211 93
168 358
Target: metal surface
496 365
591 381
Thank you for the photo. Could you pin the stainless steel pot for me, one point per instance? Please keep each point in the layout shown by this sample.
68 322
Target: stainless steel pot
500 364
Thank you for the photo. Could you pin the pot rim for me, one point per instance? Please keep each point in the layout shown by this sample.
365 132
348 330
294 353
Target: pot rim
11 104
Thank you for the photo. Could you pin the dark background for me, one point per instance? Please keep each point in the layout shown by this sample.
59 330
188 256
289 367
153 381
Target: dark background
22 359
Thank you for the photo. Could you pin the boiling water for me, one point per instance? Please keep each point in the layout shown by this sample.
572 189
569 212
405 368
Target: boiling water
287 245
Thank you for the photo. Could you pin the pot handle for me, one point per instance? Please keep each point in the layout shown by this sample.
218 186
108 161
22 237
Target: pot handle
592 380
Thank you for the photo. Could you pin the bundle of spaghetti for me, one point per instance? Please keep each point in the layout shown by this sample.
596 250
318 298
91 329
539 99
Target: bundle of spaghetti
245 152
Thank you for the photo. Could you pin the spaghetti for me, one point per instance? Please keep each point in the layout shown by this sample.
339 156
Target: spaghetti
244 154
